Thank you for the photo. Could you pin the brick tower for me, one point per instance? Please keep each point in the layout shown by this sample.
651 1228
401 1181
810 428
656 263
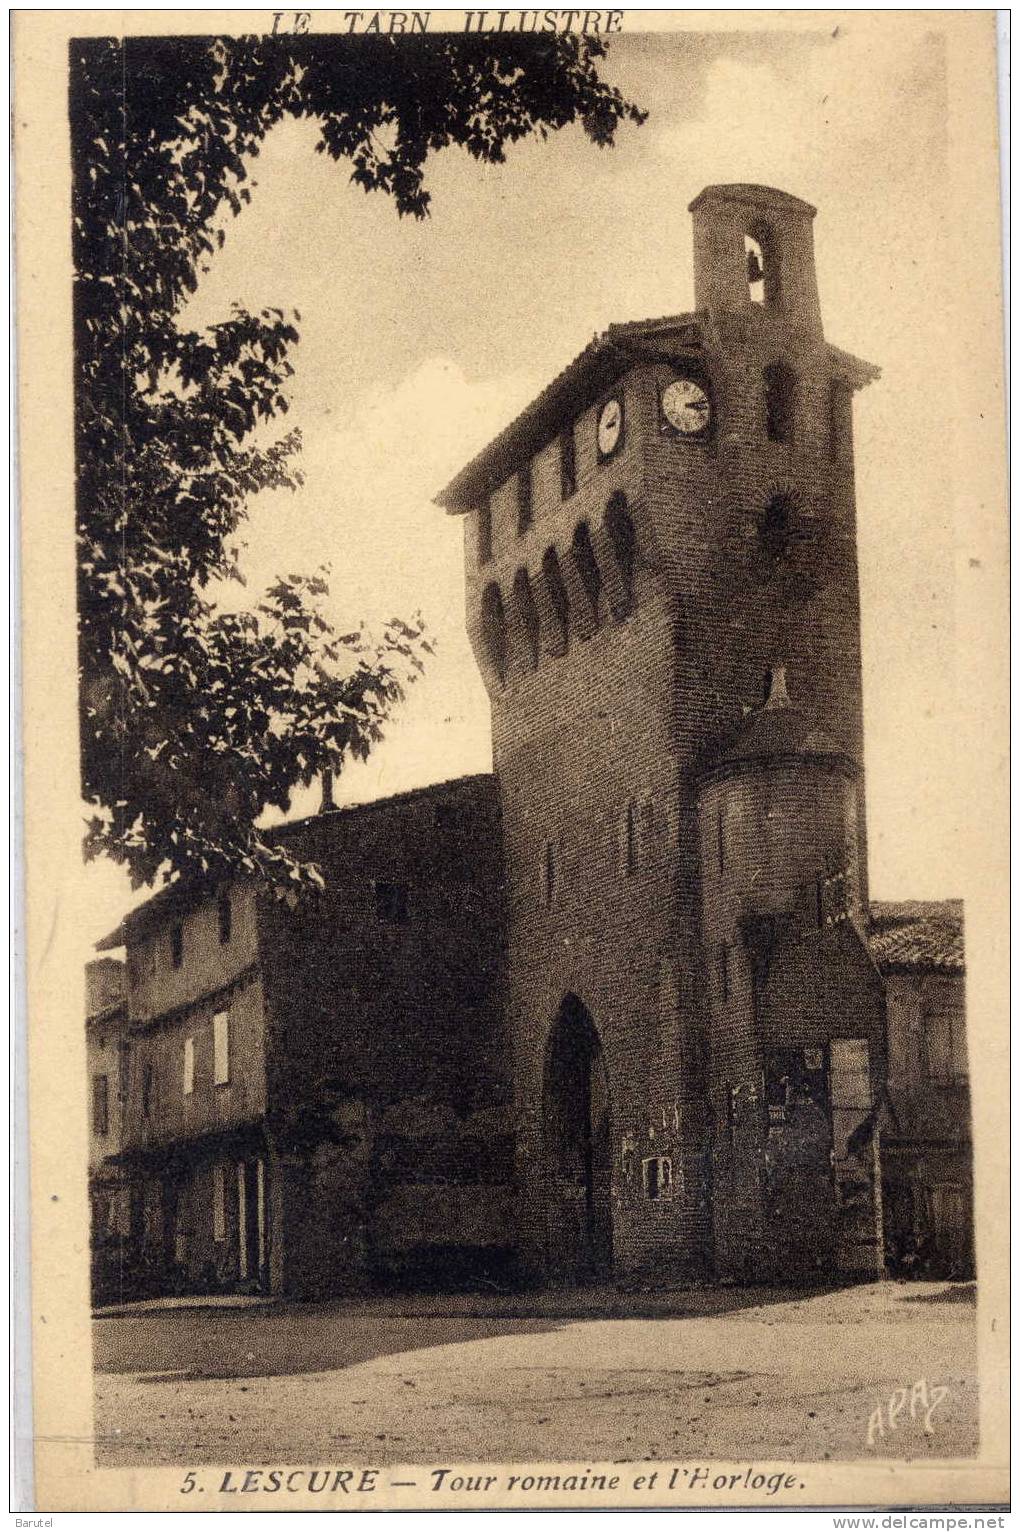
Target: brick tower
667 527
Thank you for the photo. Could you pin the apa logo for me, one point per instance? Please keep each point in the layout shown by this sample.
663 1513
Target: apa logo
919 1402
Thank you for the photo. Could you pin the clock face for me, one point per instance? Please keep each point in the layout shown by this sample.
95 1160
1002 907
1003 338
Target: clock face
685 407
610 427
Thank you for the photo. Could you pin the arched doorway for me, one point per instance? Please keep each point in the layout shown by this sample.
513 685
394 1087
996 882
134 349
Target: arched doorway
578 1162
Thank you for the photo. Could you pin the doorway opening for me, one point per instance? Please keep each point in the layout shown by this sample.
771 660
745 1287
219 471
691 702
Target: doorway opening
576 1115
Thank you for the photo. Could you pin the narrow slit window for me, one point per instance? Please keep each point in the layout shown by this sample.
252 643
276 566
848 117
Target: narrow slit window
720 835
657 1177
630 839
224 918
176 944
189 1065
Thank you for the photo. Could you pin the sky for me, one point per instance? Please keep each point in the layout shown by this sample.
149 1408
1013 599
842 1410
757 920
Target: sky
419 341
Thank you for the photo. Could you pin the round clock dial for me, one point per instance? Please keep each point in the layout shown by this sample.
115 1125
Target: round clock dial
610 426
685 407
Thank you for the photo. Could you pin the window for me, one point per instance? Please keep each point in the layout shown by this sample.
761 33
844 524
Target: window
219 1203
224 918
657 1177
391 903
557 591
494 630
548 870
945 1044
100 1105
780 402
176 944
527 613
221 1048
587 568
720 838
189 1065
485 532
524 493
630 839
568 463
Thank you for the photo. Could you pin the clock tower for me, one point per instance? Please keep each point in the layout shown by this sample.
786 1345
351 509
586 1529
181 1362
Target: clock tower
662 598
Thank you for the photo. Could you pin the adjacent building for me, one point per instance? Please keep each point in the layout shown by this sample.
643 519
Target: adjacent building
618 1011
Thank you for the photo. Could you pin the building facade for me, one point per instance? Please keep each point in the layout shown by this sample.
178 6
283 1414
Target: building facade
656 1032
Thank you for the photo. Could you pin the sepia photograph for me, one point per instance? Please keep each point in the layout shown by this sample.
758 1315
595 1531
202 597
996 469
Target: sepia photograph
515 950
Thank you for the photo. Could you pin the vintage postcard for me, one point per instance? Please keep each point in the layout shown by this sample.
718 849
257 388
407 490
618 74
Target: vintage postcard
514 607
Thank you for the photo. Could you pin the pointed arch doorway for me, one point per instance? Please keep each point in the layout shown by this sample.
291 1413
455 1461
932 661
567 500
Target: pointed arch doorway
578 1164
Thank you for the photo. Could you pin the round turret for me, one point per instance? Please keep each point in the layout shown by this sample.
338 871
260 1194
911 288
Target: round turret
777 809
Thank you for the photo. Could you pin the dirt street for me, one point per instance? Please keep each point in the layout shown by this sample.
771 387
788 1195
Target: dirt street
734 1374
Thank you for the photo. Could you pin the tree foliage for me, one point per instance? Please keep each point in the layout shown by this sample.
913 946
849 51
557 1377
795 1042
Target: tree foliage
194 720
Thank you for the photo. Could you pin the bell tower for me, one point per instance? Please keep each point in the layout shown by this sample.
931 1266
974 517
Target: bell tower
664 529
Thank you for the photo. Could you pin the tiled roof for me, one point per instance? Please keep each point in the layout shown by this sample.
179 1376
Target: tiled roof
917 935
180 895
605 359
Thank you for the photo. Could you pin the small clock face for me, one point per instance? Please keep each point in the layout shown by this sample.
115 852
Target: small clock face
685 407
610 427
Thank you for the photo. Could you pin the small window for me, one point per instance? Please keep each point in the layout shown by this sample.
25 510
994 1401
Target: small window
100 1105
568 463
548 871
221 1048
657 1177
780 402
176 944
720 838
485 532
219 1203
391 906
189 1065
587 568
524 498
225 918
